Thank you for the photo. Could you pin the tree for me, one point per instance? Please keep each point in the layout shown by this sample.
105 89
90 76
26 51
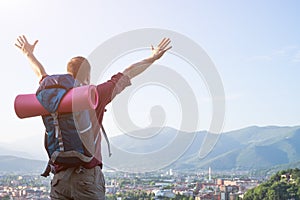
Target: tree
6 197
277 188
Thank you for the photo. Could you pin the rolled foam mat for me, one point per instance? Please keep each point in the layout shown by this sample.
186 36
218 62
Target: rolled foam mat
77 99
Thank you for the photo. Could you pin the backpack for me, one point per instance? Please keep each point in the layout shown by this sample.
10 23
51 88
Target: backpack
69 137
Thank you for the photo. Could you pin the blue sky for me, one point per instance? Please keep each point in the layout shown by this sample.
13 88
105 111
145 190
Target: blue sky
255 46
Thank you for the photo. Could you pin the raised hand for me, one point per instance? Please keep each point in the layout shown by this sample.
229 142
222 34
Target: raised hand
27 49
162 47
24 45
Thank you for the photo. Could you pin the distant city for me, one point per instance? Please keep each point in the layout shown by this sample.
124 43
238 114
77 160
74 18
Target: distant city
165 184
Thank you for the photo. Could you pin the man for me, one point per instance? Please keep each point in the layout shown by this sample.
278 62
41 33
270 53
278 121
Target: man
87 181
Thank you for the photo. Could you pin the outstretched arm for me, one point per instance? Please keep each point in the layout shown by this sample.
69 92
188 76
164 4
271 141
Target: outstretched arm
137 68
27 50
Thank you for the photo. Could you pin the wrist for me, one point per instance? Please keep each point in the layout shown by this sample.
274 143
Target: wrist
28 54
151 59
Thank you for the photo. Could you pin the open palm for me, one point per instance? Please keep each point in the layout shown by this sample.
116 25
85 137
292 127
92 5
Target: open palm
24 45
161 48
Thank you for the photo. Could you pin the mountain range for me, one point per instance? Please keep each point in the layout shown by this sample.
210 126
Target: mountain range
250 148
13 164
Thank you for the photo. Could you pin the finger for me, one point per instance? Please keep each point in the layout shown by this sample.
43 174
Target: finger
167 47
170 47
165 43
152 48
161 42
164 51
25 39
22 39
35 43
18 46
20 42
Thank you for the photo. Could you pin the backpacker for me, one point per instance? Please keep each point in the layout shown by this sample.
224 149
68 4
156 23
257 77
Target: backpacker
67 134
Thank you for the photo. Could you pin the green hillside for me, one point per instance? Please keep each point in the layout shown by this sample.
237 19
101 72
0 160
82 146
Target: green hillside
285 184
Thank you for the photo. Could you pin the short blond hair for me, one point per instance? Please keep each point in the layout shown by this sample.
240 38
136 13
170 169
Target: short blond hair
78 66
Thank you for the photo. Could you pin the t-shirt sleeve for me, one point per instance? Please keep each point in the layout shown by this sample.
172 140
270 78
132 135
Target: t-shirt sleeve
109 89
42 78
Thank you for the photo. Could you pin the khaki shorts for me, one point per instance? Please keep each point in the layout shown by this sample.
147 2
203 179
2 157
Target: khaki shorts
78 184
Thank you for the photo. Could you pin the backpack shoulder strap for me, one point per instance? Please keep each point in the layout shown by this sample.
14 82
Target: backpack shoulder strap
106 138
58 134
